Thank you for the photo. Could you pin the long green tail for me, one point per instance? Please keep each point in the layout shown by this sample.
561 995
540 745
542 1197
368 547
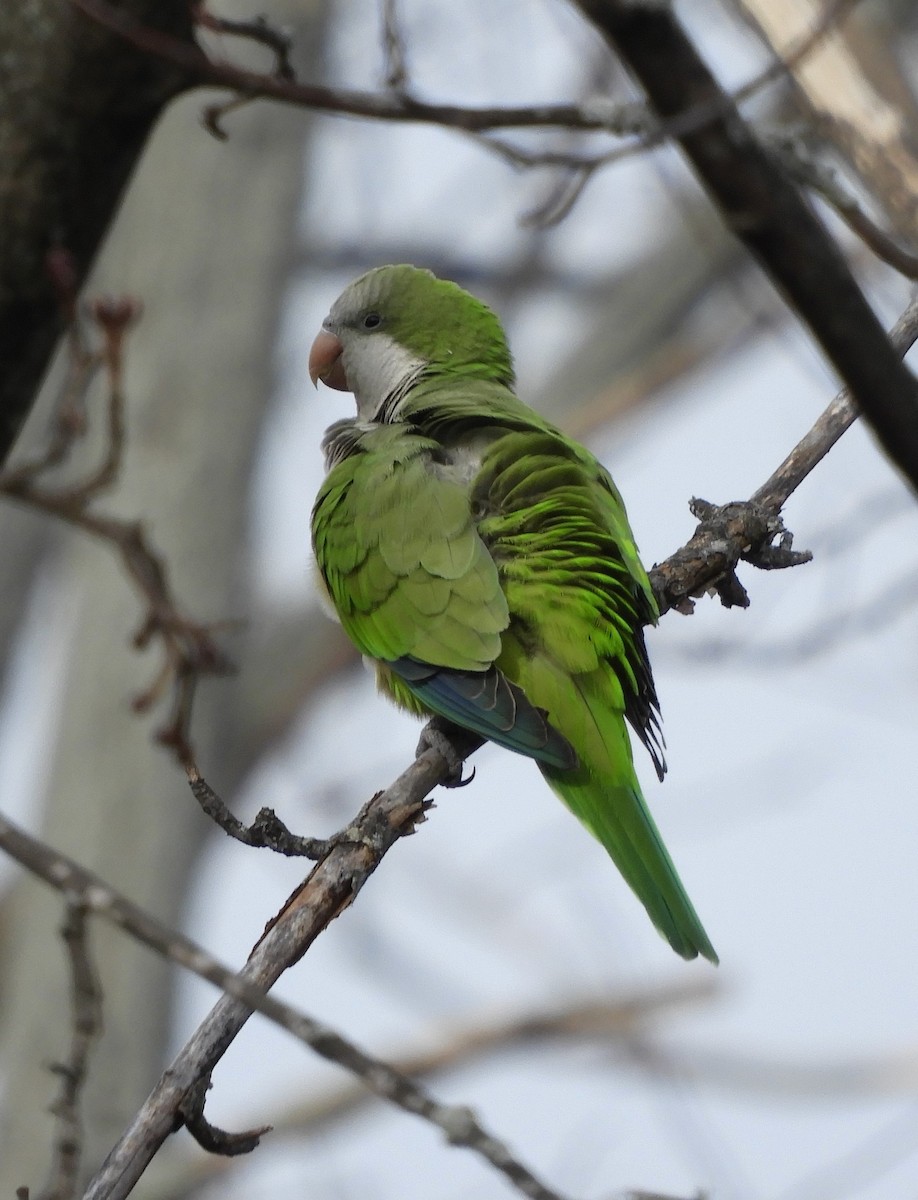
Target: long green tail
603 793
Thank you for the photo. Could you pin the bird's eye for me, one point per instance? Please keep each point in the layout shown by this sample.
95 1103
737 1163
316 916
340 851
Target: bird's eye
371 320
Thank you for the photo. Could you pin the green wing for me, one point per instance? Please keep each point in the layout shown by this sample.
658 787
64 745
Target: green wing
578 598
620 594
416 589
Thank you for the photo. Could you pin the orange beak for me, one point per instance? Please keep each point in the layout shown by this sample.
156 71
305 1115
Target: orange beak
325 362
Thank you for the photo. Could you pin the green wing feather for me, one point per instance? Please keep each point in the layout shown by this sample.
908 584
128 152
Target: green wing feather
402 560
578 598
416 589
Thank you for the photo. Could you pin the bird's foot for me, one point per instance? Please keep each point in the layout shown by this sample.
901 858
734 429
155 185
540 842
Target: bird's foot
436 736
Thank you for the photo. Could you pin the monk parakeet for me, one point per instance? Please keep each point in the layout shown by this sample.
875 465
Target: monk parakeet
484 562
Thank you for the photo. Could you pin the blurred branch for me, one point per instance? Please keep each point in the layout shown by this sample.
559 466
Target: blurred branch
888 606
189 650
805 167
388 816
599 114
765 211
579 169
595 115
890 1074
256 30
86 998
600 1022
394 52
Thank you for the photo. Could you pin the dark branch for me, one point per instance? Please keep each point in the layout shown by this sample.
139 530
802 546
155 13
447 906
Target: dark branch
257 30
389 106
765 211
267 831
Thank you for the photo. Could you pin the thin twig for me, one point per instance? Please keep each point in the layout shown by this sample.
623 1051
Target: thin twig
394 53
388 106
83 362
604 1022
259 30
188 647
267 831
746 529
86 1001
655 131
839 415
812 173
597 114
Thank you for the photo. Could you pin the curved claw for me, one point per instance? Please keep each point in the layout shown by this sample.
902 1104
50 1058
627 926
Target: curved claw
435 737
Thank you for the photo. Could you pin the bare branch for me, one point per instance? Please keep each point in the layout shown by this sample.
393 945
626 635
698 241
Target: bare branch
86 999
810 172
604 1022
765 211
188 647
267 831
258 30
746 529
389 106
387 817
396 59
398 104
839 415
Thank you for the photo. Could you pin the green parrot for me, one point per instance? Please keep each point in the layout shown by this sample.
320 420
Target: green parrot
484 562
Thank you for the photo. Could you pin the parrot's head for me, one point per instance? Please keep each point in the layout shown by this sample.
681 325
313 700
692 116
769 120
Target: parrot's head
398 324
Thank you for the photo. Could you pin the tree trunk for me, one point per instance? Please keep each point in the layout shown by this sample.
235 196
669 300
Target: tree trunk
204 240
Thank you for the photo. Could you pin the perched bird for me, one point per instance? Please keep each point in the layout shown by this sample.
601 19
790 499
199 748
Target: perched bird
485 563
